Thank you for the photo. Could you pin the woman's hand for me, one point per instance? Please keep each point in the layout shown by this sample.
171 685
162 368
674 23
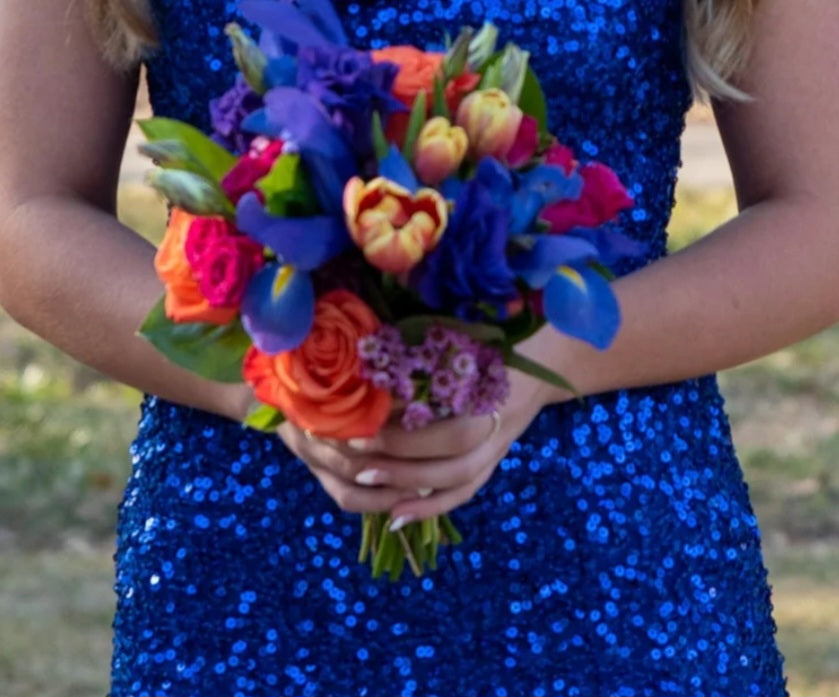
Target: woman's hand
336 467
433 470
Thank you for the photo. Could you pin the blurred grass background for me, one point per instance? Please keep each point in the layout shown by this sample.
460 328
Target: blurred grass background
65 430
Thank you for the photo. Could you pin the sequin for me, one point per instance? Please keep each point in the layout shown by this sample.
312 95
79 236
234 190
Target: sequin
614 551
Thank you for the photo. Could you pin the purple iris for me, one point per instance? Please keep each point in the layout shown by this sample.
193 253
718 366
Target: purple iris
278 307
229 111
351 87
468 272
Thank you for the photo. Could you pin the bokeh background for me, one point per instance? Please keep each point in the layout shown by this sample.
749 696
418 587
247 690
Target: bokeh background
65 432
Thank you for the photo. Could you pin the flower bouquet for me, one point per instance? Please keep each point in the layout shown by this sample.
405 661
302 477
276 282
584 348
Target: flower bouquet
367 235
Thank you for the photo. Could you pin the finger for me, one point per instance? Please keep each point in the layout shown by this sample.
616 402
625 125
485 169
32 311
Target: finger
440 440
438 503
358 499
415 475
327 454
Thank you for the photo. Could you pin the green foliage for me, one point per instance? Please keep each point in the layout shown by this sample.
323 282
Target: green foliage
415 124
380 144
265 418
287 191
192 192
199 151
212 351
532 100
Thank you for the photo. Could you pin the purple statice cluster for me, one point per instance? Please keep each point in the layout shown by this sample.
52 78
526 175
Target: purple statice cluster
448 374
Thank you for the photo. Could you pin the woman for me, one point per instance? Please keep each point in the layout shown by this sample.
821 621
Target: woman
614 550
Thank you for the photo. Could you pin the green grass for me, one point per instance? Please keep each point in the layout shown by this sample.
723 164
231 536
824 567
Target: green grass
65 430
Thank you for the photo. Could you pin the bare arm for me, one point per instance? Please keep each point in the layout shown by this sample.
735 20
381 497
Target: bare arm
769 277
68 270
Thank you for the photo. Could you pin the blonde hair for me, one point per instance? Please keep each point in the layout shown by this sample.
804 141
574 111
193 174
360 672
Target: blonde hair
717 33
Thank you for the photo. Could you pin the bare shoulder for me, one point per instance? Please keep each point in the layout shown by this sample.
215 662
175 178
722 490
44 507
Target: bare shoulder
64 113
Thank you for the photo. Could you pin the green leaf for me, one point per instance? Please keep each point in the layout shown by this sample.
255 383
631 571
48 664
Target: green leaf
212 351
413 329
287 190
454 62
415 124
603 270
537 370
532 100
214 159
264 418
172 154
193 192
380 144
492 73
440 107
522 326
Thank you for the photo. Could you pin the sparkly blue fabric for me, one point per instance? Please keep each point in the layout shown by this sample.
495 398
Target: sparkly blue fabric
614 551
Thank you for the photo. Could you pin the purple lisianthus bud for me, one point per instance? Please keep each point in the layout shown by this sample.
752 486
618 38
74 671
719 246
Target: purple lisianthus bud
464 365
381 360
369 347
417 415
390 336
425 358
227 113
382 380
437 337
461 400
405 389
443 384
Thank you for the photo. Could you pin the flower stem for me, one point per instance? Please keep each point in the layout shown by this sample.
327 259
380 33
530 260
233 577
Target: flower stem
409 554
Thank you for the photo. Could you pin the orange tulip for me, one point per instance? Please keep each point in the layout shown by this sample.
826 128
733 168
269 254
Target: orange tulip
393 228
318 386
184 300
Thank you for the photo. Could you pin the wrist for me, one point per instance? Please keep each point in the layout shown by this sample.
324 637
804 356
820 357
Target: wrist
235 401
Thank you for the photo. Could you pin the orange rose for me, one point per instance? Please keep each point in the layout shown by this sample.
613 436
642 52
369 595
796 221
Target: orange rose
416 73
184 300
318 385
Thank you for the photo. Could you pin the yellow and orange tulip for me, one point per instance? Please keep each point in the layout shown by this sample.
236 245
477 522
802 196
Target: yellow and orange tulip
491 121
394 228
439 151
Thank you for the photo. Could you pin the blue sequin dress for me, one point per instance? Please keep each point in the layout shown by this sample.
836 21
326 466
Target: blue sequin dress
613 553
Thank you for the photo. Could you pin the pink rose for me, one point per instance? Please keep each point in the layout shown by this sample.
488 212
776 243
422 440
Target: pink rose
202 235
525 144
561 156
602 198
251 168
226 268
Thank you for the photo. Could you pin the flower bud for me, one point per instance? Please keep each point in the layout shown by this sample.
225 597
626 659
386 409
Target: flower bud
491 121
482 47
250 60
191 192
513 70
439 151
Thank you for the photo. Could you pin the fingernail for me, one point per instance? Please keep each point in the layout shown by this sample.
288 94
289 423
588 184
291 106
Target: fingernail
400 523
371 477
425 493
360 444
